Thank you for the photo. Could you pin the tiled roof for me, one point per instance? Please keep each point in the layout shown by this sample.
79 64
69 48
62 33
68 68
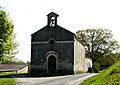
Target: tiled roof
11 67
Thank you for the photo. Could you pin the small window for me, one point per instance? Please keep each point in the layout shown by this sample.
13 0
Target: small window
52 41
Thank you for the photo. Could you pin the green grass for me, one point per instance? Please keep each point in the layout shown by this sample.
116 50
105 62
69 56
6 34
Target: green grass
110 76
5 79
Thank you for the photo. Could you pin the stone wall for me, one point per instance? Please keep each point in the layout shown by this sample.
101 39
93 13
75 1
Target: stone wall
63 50
23 70
79 57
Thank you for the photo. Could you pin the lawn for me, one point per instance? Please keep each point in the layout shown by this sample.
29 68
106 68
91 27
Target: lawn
5 79
110 76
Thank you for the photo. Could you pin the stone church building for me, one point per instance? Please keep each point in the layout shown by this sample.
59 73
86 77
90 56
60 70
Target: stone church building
55 50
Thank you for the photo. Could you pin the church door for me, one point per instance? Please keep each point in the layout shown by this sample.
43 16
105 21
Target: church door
52 64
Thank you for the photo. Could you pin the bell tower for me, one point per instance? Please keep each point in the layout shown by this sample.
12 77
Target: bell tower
52 19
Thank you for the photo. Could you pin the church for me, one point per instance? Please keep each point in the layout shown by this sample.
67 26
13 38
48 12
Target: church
55 50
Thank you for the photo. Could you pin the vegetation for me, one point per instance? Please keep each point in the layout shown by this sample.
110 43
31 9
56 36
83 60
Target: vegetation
7 38
7 46
6 80
14 62
99 45
110 76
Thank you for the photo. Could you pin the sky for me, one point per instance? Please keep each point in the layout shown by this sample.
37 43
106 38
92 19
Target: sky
28 16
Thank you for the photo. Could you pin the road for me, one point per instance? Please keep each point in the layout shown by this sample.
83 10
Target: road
58 80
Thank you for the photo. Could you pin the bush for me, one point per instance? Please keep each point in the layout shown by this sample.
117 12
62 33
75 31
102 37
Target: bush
96 67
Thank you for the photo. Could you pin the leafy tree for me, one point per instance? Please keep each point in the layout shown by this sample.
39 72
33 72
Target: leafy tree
7 38
97 42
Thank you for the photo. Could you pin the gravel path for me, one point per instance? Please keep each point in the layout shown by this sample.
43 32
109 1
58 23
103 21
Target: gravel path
58 80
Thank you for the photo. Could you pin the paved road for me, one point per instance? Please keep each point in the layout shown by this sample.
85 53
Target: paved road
59 80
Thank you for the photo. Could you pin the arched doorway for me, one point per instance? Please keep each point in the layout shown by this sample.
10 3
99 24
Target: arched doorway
52 64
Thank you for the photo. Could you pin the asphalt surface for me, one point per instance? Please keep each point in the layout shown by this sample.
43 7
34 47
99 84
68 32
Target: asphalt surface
58 80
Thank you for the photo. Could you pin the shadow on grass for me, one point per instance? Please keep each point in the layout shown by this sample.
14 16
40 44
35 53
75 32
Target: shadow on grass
24 75
12 75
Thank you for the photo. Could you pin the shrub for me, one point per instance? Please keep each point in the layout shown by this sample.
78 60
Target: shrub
96 67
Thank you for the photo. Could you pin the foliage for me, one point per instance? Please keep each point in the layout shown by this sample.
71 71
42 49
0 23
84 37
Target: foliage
105 61
97 42
7 44
110 76
96 67
117 56
99 45
20 62
14 62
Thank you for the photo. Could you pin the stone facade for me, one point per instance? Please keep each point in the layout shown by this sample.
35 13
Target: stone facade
54 50
79 57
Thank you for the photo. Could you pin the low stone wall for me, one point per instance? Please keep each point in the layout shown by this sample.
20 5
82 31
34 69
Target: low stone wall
23 70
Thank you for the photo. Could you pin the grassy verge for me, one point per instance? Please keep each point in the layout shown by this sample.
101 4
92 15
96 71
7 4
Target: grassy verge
110 76
5 79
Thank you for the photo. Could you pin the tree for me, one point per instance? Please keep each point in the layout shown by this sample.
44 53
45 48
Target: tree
8 44
97 42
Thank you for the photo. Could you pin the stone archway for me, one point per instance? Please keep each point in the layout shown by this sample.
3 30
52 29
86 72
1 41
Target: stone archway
52 64
52 58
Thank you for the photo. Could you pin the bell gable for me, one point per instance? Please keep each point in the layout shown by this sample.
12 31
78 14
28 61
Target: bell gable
52 30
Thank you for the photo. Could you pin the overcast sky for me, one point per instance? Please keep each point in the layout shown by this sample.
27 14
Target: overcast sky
29 16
